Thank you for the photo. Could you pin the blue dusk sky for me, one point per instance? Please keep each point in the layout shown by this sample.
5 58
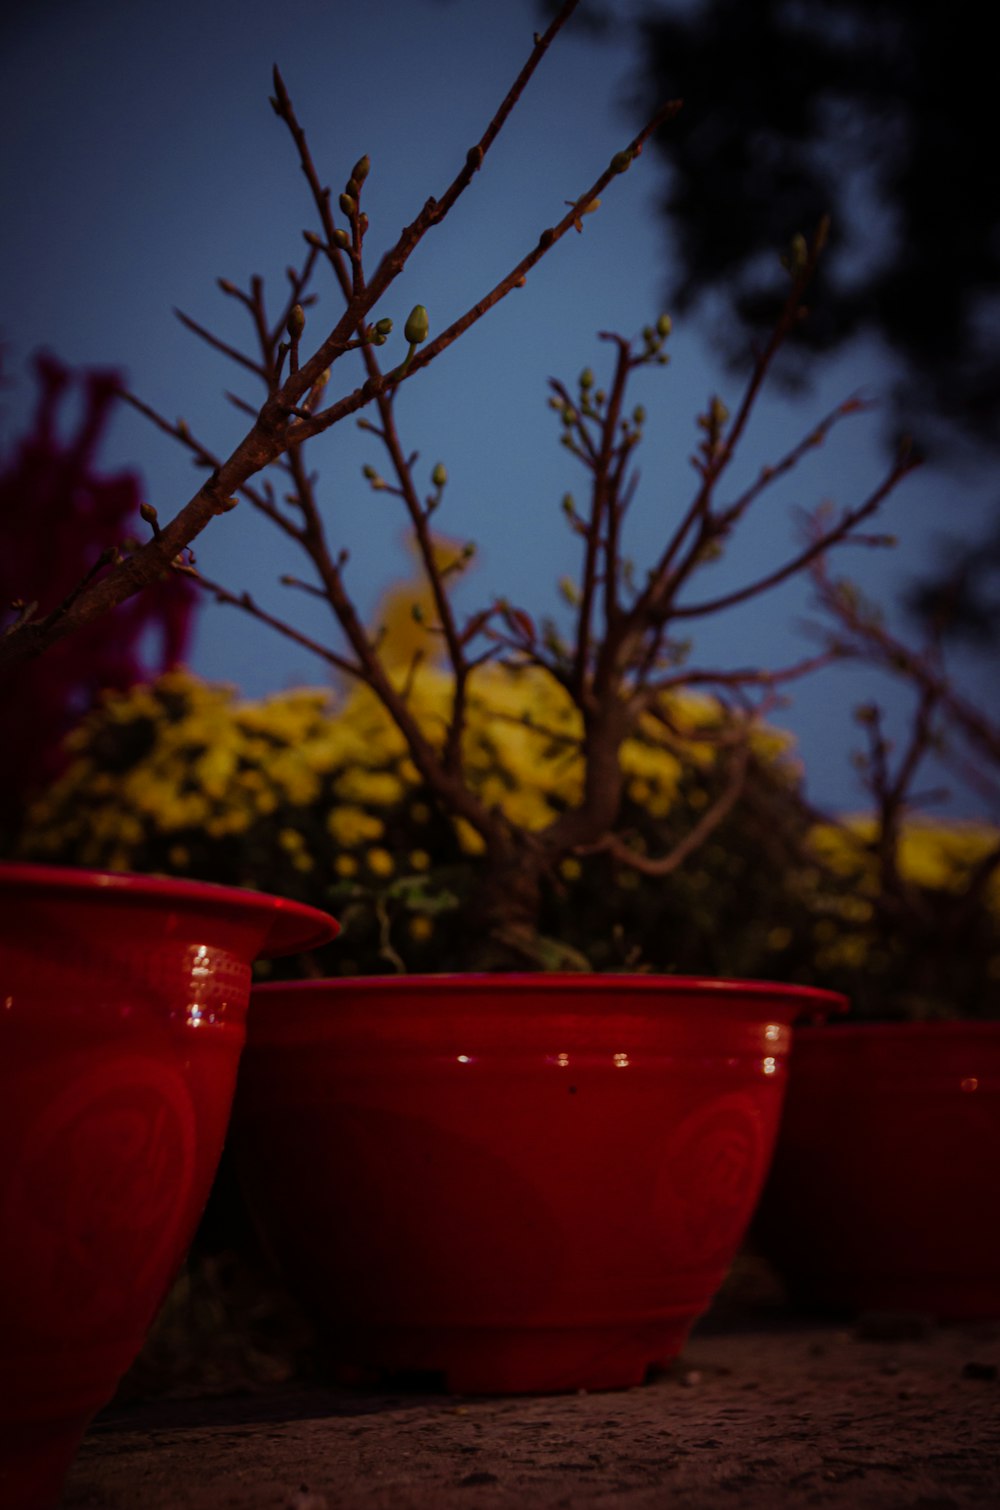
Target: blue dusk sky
142 162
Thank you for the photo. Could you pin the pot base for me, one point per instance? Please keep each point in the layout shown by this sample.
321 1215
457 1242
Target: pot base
34 1459
506 1360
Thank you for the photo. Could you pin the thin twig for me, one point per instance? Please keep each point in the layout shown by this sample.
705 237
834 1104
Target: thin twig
665 865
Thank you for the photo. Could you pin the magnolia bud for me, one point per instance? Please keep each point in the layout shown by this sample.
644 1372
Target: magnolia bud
349 205
417 325
439 476
621 162
341 239
361 169
664 325
296 321
148 513
384 326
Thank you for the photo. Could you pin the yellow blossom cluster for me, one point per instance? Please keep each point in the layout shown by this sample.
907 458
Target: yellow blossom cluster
936 858
933 854
180 759
315 795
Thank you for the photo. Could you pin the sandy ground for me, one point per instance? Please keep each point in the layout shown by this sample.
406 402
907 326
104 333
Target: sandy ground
761 1412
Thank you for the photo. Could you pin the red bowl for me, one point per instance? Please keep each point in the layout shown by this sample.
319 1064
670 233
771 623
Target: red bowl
514 1182
122 1016
885 1189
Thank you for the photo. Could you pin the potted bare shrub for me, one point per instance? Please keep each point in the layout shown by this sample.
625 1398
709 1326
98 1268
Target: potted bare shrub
885 1191
525 1174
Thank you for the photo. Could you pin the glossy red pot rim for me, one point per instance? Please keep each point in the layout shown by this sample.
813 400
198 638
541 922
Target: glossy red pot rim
292 926
805 999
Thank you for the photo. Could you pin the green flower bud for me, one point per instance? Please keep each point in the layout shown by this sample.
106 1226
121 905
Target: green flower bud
621 162
586 379
664 326
349 205
361 169
296 321
568 503
148 513
341 239
439 476
312 239
384 326
417 325
638 415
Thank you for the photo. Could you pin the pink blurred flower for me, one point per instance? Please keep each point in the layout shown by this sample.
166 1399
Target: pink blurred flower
57 514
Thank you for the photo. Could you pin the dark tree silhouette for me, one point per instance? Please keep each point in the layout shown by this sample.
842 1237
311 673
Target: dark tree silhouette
878 112
881 114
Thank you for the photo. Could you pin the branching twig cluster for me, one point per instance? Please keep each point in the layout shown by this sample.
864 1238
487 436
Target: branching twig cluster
944 724
293 410
621 661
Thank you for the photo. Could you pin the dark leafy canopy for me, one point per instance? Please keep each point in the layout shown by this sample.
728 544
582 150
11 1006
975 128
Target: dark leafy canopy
878 112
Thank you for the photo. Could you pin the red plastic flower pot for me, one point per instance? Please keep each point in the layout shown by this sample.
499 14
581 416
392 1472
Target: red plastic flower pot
122 1016
885 1188
516 1183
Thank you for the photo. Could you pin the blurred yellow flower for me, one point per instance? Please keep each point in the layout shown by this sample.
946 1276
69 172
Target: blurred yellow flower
351 826
380 862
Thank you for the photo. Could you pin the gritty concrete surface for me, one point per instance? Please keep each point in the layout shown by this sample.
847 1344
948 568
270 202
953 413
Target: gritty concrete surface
758 1415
